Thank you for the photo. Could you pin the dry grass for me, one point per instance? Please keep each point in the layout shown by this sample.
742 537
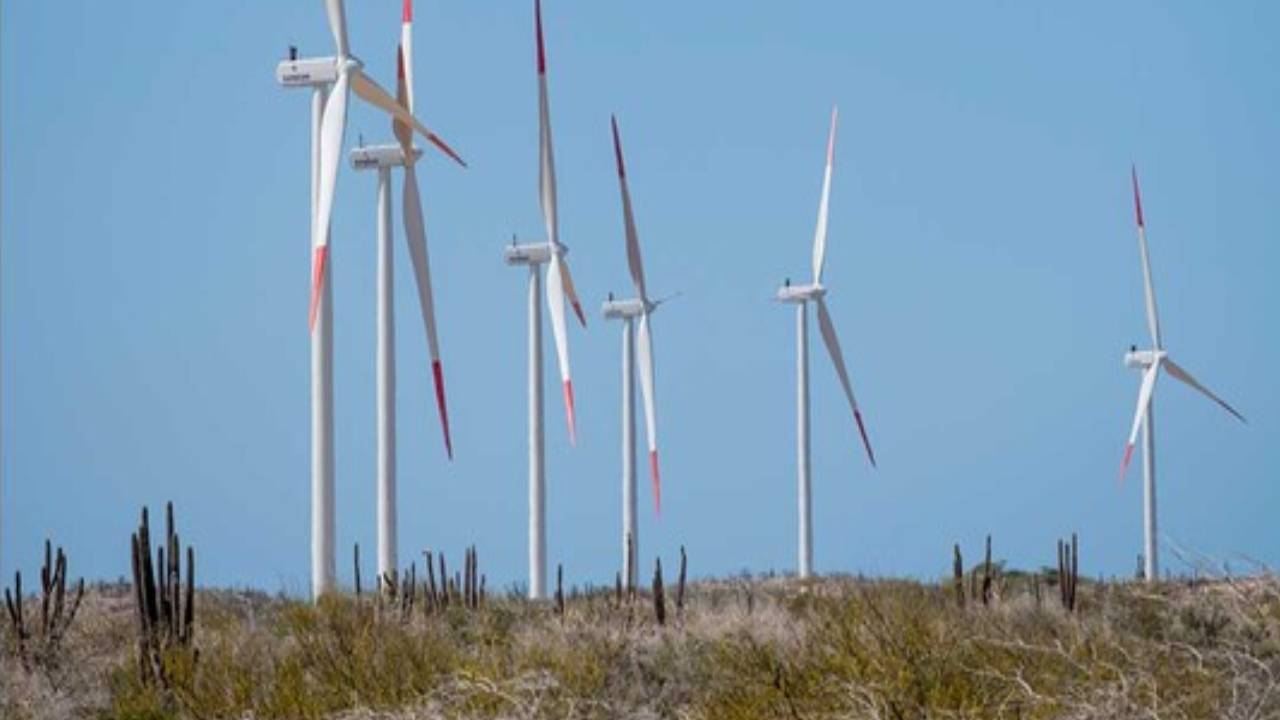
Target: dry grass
744 649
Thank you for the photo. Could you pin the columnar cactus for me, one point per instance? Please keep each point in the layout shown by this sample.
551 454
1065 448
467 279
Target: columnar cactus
164 606
55 617
1068 572
680 584
659 598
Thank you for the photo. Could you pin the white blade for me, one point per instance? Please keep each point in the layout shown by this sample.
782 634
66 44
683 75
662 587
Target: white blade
837 358
555 304
570 292
1178 372
406 43
820 235
546 166
1144 400
332 126
633 241
338 25
644 354
416 237
403 133
547 177
546 163
1149 293
372 93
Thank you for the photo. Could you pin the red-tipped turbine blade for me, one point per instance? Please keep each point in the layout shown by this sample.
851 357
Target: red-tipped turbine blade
1137 196
438 373
569 412
406 15
1145 391
657 481
444 147
634 263
537 21
318 261
571 292
862 430
1124 464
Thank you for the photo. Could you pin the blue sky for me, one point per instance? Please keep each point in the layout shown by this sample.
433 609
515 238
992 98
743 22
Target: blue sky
982 263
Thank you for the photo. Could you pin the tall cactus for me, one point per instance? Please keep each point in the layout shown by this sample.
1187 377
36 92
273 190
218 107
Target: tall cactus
659 595
1068 572
164 604
55 616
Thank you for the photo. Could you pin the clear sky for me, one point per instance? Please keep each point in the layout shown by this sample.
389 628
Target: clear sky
982 262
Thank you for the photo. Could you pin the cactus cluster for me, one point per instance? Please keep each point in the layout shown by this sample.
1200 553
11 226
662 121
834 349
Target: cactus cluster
466 588
55 615
164 597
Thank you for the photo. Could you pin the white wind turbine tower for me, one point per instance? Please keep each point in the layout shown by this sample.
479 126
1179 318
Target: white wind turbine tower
1150 362
383 158
627 311
801 295
330 79
559 288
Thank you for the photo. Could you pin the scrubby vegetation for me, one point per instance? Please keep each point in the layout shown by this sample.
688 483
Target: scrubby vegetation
766 648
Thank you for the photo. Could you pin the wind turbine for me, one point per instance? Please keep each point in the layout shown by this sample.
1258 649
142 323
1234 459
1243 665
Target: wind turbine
383 158
801 296
1150 362
330 79
627 311
559 288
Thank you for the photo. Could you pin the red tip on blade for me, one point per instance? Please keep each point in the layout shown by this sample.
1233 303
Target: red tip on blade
318 260
657 481
577 310
1124 464
862 430
537 21
568 409
438 372
400 61
617 148
435 140
1137 196
407 16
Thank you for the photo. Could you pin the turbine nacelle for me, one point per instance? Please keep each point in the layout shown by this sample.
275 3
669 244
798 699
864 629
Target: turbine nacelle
530 253
1142 359
799 294
625 309
377 157
307 72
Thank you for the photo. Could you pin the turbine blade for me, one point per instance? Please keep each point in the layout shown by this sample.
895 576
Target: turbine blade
820 234
338 25
546 159
406 42
372 93
319 271
570 292
1144 400
837 358
537 25
1178 372
1149 293
332 126
629 223
403 133
644 354
555 304
416 237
